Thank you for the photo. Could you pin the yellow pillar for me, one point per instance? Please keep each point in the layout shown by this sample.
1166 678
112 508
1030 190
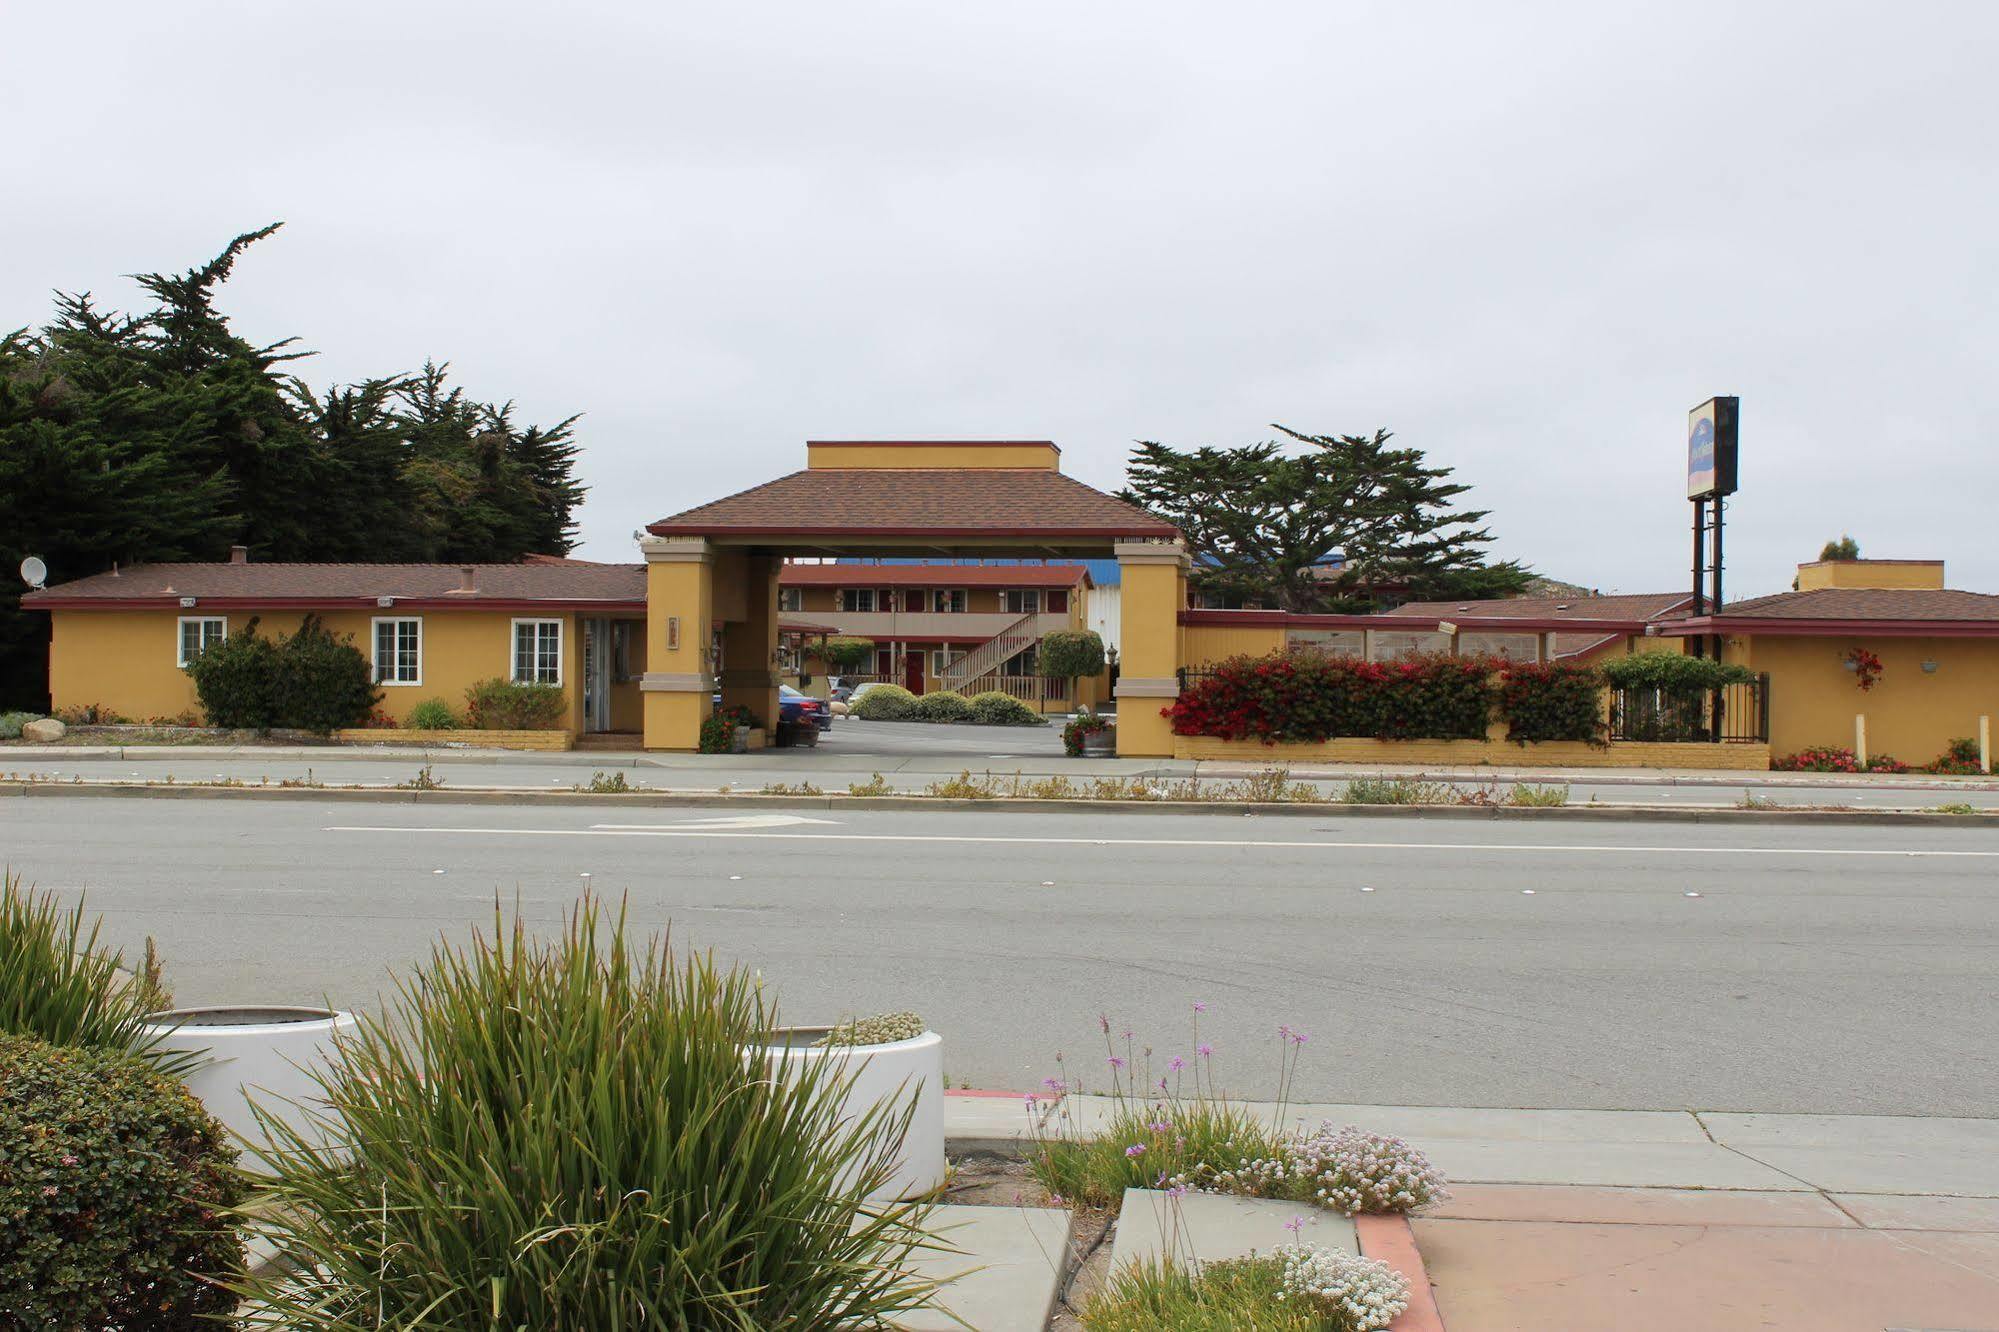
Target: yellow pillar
679 683
1154 578
749 636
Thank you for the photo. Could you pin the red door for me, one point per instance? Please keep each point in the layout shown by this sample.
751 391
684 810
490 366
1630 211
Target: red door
912 671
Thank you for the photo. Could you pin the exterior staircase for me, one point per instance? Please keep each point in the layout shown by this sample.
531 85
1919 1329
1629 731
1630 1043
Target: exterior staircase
990 655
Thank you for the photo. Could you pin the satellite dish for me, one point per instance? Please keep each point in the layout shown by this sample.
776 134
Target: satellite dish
33 572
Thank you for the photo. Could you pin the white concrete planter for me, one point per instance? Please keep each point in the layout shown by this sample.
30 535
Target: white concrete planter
265 1050
900 1070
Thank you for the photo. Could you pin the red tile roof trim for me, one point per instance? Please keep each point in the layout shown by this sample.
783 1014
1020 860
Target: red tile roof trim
932 575
1404 624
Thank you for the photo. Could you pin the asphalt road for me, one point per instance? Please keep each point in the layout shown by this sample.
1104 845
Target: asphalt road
1837 970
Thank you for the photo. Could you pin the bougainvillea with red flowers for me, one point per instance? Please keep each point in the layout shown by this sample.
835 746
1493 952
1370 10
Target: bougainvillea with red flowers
1866 667
1310 698
1551 700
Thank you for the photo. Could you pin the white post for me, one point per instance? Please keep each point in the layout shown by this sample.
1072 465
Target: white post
1985 744
1860 738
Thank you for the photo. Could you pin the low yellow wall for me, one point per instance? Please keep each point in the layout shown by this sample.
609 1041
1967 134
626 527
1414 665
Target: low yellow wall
1480 753
1911 713
126 660
1206 644
382 735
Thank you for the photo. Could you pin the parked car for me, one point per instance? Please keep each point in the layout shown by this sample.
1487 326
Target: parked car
793 706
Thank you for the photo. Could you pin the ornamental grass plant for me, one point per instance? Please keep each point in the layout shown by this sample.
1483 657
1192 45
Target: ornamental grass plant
59 985
1295 1288
583 1132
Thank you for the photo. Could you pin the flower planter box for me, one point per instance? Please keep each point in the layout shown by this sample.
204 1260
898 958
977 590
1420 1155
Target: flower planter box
899 1071
1101 744
266 1051
539 740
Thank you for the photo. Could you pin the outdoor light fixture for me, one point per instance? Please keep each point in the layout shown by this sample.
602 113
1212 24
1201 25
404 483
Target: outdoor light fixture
187 603
1929 668
385 602
1851 664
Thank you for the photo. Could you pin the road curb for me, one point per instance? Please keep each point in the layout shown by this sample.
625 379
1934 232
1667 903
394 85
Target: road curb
1003 805
1392 1240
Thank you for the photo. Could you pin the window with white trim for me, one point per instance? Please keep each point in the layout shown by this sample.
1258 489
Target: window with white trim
537 652
948 600
1021 600
857 599
942 659
198 633
791 598
398 651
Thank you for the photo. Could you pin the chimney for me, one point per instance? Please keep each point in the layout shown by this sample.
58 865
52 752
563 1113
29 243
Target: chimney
239 554
468 578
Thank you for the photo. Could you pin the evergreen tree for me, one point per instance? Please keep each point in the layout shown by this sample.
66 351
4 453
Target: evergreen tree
165 436
1349 524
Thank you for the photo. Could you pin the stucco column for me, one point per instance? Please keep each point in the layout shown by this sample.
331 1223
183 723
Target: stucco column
749 636
1154 578
679 680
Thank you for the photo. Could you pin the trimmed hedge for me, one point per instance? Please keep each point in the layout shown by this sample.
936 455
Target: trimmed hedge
996 707
842 652
503 705
1673 672
112 1181
1551 700
1309 698
943 706
1069 654
309 680
884 702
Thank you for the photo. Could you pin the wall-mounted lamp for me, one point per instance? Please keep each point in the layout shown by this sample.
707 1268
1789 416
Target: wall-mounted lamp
187 603
1929 668
385 602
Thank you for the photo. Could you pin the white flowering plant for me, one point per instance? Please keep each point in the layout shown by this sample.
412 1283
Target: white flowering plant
1344 1168
1359 1294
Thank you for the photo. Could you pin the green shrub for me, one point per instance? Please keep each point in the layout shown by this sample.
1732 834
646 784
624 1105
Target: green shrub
236 681
1551 700
505 705
943 706
1959 758
1673 672
584 1133
1068 654
997 708
323 683
12 722
432 714
718 733
843 653
112 1181
1309 697
309 680
57 985
884 702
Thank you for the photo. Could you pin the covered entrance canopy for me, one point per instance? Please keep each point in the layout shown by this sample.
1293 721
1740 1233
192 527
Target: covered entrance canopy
719 562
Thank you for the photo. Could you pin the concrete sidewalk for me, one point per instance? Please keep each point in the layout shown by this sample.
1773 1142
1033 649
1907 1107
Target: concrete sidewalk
1631 1221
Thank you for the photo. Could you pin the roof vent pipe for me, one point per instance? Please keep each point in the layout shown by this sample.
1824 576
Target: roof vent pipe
468 578
239 554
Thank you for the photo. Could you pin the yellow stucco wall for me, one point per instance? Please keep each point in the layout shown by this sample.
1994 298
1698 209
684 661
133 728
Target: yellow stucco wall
834 454
1486 753
125 660
1207 644
1870 573
1911 714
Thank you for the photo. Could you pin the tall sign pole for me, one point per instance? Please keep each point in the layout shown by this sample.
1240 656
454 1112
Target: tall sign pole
1711 475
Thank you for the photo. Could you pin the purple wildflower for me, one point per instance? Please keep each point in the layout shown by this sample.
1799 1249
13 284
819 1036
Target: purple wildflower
1137 1149
1115 1061
1176 1063
1204 1050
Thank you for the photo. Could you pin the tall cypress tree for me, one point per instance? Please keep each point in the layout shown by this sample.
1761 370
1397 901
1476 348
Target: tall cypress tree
165 436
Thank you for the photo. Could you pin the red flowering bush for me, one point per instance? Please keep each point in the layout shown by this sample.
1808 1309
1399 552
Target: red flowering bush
1551 700
1959 758
1866 667
1817 758
1310 698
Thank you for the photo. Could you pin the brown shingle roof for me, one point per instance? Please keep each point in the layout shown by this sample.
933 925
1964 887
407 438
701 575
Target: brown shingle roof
621 585
932 575
1868 603
1638 607
962 502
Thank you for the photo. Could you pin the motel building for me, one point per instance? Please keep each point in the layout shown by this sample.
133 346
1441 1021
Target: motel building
954 558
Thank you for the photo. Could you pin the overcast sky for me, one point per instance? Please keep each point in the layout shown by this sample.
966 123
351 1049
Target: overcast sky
1526 238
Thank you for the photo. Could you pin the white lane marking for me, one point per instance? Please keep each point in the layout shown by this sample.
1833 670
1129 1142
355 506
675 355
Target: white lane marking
720 823
684 831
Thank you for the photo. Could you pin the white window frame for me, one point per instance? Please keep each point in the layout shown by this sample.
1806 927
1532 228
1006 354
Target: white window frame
1023 595
514 650
791 598
181 659
857 593
375 648
939 596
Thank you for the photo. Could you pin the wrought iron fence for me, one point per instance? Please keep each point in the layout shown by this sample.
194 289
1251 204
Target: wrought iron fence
1737 713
